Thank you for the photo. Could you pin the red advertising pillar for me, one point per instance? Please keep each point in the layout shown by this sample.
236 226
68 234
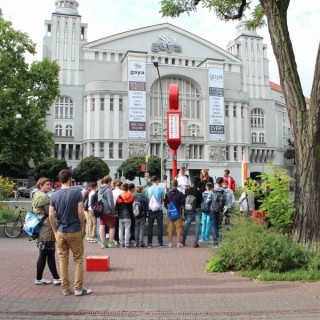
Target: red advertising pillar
174 125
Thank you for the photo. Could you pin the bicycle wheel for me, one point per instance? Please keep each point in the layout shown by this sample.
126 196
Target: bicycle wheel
13 227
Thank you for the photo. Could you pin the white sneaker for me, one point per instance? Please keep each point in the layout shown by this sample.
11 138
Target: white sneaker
56 282
179 245
82 292
42 281
107 236
170 245
200 241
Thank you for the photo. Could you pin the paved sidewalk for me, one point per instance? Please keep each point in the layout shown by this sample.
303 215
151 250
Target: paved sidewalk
168 283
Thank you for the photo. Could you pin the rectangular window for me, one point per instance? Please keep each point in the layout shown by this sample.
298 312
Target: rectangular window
242 112
227 153
92 149
235 153
102 104
226 111
235 111
110 150
101 149
111 103
120 154
77 152
120 104
70 151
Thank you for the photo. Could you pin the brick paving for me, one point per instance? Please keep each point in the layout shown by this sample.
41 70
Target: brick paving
168 283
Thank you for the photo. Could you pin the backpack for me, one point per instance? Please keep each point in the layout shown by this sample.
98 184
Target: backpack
94 199
153 204
218 201
32 225
206 203
190 204
97 208
138 207
172 211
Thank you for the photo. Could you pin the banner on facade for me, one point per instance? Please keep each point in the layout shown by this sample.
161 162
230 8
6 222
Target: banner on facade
137 99
216 104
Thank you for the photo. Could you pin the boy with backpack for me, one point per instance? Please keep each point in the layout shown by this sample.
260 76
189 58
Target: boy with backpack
206 213
140 207
219 200
192 209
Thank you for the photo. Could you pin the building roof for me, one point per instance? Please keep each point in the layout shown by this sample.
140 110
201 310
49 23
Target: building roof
278 88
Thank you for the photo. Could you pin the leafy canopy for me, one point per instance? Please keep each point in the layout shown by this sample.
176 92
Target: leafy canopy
26 94
49 168
91 169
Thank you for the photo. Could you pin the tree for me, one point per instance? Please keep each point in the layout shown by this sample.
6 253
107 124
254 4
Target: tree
26 94
49 168
305 122
91 169
131 168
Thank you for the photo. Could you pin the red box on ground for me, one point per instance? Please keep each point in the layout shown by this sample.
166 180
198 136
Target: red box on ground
98 263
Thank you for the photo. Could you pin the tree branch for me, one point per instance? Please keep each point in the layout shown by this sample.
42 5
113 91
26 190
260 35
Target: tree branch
238 15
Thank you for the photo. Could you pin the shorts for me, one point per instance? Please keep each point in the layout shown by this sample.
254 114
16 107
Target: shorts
108 219
178 223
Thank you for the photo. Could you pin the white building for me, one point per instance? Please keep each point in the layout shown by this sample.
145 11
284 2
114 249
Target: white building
110 103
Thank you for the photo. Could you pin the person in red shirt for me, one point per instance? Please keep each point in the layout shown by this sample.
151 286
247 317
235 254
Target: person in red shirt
230 180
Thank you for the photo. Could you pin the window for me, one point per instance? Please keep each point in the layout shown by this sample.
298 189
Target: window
120 150
120 104
58 130
93 104
63 108
166 60
226 111
111 103
110 150
96 56
101 149
235 111
69 130
102 104
112 57
70 154
257 118
155 129
261 137
253 137
235 153
242 112
77 151
193 130
92 149
227 153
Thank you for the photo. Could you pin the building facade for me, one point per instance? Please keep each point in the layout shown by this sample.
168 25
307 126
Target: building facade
112 97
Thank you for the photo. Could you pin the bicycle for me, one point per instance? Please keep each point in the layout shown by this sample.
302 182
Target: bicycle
14 225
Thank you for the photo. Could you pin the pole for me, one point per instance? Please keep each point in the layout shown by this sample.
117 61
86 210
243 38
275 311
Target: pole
156 64
174 164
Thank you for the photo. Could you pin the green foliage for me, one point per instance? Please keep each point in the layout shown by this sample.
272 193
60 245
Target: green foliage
278 203
249 246
26 94
131 168
91 169
6 212
49 168
5 187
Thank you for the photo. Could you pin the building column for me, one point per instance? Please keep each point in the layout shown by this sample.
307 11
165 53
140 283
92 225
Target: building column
231 124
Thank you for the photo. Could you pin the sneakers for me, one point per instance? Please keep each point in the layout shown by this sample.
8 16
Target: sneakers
56 282
82 292
183 243
162 246
112 245
104 245
66 293
42 281
215 244
93 240
195 245
149 246
201 241
179 245
170 245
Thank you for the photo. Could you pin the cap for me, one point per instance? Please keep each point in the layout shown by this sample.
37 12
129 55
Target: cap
154 178
219 180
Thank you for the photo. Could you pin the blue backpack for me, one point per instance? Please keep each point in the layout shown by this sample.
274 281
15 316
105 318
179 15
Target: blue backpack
32 225
172 211
206 202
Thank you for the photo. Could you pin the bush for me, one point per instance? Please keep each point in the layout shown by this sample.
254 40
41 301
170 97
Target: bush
249 246
6 212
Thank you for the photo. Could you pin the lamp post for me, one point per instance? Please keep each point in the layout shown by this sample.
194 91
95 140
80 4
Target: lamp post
156 64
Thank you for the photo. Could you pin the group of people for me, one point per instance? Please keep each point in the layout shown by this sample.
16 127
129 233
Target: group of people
126 208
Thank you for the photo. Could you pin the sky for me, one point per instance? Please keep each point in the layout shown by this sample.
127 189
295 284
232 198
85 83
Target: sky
108 17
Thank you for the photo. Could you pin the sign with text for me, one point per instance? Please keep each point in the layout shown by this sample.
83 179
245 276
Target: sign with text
174 128
137 99
216 104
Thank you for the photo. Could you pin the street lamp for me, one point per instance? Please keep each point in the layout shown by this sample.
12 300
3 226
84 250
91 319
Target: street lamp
156 64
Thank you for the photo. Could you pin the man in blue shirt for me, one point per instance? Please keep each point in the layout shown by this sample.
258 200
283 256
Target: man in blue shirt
66 205
155 197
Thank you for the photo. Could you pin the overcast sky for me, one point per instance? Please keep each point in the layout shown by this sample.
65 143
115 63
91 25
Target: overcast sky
107 17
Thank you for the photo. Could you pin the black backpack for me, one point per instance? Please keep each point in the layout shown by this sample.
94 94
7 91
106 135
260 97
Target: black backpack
138 207
190 204
94 199
218 201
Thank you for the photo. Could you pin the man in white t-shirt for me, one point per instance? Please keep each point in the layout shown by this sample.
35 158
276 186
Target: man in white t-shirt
183 180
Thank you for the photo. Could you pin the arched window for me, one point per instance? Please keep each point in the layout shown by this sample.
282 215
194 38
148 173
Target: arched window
193 130
155 129
58 130
64 108
189 97
69 130
253 137
261 137
257 118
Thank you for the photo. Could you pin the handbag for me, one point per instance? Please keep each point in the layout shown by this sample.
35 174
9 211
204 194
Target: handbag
32 225
98 209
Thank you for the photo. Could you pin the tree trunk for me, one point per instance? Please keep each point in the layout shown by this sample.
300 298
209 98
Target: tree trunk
305 124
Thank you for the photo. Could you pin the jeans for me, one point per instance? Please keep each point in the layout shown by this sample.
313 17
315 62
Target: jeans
152 215
216 221
192 216
139 230
70 241
206 226
98 230
124 226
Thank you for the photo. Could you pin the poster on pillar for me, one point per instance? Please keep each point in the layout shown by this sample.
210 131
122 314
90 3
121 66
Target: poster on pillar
137 99
216 104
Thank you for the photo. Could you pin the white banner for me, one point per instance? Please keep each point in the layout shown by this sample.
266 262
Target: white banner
137 99
216 104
